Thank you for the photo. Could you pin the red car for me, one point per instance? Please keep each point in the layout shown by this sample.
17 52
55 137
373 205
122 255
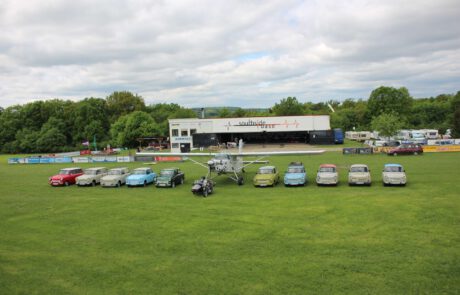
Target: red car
65 177
406 149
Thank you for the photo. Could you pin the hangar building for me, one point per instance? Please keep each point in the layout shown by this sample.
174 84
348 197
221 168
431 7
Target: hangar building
186 134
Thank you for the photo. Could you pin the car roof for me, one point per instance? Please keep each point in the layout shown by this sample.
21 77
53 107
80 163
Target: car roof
358 165
142 168
95 168
327 166
119 168
71 168
267 167
296 164
393 165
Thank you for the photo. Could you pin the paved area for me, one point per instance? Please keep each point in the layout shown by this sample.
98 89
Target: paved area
287 147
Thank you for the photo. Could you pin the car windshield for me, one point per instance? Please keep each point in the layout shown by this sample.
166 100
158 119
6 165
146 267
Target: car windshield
295 170
393 169
140 172
265 171
166 172
358 169
115 172
91 172
327 169
64 172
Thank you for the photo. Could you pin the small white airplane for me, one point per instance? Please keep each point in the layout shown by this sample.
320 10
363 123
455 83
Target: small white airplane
230 164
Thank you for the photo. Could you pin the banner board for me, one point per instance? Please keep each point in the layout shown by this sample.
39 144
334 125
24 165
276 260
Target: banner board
441 148
81 159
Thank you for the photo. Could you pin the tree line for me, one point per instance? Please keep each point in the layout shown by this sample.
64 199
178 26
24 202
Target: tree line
123 117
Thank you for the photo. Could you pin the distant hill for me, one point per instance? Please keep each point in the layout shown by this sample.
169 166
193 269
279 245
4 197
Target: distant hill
213 112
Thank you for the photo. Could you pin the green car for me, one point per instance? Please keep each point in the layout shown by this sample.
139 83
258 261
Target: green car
266 176
170 177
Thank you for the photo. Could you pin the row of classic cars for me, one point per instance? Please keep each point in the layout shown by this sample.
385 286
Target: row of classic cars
327 174
117 177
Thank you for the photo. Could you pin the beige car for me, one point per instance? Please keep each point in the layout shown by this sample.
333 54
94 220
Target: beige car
115 178
91 176
359 174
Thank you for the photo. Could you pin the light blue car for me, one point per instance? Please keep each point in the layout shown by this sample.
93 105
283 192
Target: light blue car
295 174
141 177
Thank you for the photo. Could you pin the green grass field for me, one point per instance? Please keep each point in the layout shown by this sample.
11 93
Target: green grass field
240 240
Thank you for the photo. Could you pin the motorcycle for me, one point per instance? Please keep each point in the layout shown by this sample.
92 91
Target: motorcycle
203 187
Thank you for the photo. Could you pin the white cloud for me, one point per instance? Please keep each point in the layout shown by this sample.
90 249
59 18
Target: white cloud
239 53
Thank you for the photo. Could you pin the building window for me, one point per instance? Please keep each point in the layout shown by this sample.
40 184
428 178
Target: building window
192 131
175 145
184 132
175 132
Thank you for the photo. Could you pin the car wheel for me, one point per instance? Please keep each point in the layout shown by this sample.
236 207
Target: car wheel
240 180
145 183
205 193
66 183
395 154
119 184
415 153
93 183
181 181
173 184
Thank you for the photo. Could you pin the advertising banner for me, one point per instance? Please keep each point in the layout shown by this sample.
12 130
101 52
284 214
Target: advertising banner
13 160
81 159
441 148
168 159
33 160
111 159
99 159
124 159
63 160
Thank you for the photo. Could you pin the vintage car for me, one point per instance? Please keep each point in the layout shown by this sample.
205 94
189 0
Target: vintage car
141 177
170 177
266 176
115 178
295 174
65 177
393 174
91 176
327 175
359 174
406 149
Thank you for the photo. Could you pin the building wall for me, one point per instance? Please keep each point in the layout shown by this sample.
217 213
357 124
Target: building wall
181 130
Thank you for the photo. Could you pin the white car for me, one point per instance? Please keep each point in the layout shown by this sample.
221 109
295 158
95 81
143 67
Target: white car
327 175
359 174
91 176
115 178
393 174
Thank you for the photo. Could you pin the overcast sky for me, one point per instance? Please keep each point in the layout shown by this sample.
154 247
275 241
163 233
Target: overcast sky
226 53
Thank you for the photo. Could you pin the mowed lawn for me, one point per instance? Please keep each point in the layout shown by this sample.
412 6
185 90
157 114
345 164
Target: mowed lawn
240 240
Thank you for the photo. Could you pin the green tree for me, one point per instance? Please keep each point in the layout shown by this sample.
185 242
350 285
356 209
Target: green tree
129 128
387 124
239 113
224 113
456 117
389 100
122 103
288 107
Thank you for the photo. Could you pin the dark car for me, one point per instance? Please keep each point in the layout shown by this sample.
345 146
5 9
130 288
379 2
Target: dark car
170 177
406 149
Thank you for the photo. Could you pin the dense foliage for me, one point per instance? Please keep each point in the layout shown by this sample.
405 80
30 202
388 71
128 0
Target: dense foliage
122 117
